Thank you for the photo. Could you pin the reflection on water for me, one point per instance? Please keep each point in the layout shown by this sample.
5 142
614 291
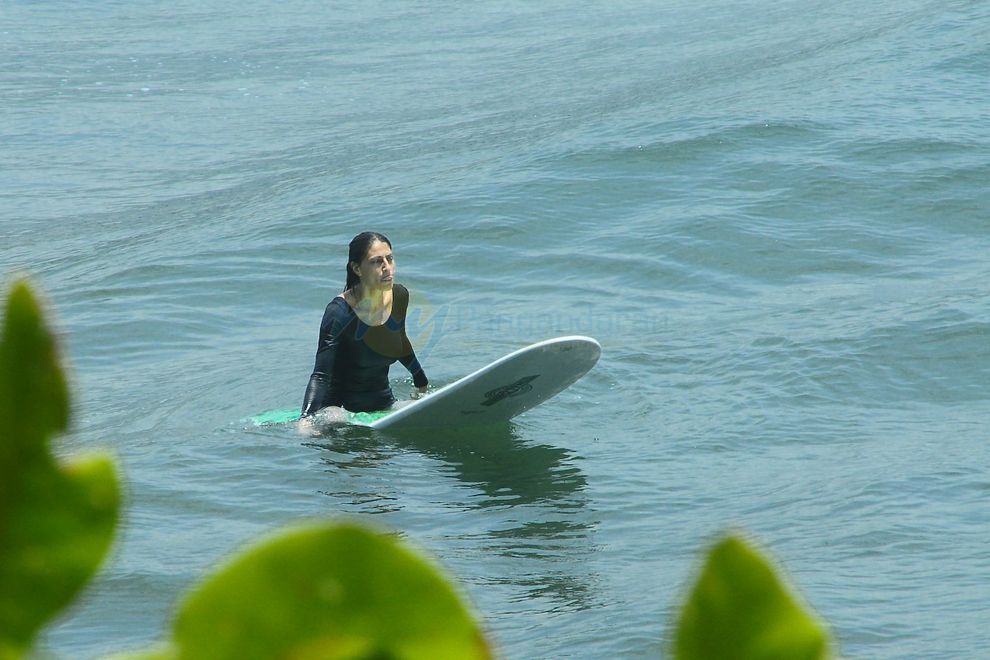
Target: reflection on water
530 539
548 559
352 447
570 591
529 496
508 470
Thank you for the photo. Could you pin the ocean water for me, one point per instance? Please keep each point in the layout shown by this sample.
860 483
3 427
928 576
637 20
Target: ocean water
772 215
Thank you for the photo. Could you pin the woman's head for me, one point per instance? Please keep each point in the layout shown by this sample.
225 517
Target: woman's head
369 260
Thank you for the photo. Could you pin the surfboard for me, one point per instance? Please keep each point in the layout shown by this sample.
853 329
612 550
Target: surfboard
495 393
505 388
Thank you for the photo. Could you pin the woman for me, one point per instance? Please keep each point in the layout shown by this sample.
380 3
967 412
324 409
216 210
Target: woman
363 332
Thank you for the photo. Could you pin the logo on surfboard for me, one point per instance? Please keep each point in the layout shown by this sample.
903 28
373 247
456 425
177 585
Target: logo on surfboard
521 386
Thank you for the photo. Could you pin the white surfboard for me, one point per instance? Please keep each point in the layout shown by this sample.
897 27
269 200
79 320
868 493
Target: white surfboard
505 388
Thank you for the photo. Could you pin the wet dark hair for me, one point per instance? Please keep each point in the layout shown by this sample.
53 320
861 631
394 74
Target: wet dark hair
358 250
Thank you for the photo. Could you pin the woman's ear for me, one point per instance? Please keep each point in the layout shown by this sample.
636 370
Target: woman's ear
356 268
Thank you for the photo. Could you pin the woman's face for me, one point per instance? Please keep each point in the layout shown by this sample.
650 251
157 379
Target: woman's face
377 271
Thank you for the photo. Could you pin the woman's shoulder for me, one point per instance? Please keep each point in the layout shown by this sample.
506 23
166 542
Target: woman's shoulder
338 309
400 301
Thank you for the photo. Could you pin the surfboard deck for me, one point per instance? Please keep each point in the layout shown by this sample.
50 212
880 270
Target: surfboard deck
495 393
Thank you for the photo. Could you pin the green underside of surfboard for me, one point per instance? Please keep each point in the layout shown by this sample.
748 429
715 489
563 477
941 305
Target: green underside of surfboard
287 415
367 417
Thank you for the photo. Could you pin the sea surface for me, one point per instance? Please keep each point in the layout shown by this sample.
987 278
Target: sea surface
772 215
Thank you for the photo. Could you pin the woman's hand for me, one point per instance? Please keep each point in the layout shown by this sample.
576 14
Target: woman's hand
418 392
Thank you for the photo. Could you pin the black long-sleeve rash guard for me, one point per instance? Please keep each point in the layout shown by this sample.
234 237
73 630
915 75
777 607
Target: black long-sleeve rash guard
353 358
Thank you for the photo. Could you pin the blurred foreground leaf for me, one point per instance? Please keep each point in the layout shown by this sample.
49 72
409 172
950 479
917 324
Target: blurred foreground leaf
158 652
328 591
56 522
739 608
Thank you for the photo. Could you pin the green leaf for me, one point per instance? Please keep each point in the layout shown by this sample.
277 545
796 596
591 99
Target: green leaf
34 398
157 652
739 608
328 591
56 522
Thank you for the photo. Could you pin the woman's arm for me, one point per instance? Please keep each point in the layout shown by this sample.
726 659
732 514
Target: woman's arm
415 368
408 358
318 389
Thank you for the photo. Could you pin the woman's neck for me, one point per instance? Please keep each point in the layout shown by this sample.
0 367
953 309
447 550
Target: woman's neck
369 300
